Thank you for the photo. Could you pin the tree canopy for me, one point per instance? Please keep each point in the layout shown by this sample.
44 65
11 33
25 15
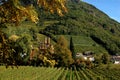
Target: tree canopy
14 11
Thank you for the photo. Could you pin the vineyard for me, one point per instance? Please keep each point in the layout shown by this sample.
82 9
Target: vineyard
43 73
84 43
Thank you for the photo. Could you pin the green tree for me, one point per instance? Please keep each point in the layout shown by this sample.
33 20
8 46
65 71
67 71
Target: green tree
105 58
21 47
98 60
72 48
33 32
63 54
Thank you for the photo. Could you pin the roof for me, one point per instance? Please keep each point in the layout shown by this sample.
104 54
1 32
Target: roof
116 58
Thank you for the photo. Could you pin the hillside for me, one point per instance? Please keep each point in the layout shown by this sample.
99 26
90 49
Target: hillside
91 29
86 20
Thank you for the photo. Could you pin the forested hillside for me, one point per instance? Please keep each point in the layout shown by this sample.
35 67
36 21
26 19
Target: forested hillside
86 20
91 30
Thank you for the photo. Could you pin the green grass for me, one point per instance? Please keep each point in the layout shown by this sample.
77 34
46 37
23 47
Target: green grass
110 65
47 23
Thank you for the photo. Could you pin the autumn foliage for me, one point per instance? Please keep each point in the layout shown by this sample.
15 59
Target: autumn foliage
13 11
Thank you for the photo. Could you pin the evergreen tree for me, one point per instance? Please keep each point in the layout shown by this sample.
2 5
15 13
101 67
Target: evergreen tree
72 48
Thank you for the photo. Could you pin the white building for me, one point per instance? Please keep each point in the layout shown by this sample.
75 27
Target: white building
116 59
86 57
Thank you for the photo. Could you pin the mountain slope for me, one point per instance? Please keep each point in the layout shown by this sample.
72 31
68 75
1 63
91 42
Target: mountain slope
85 19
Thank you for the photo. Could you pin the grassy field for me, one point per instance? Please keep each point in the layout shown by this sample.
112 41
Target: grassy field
44 73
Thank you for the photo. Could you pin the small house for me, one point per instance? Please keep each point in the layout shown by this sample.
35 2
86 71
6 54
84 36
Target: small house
85 56
115 59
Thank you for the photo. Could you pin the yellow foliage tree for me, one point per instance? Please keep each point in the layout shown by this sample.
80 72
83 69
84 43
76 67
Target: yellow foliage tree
13 11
